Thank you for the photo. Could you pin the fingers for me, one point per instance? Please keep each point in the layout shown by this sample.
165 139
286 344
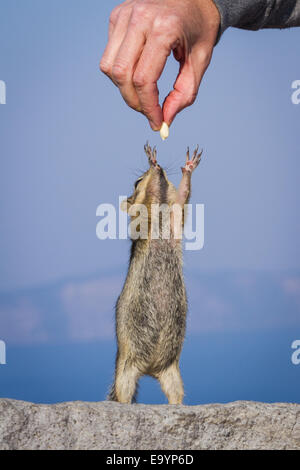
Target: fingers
134 63
146 75
114 16
124 66
118 25
135 57
142 35
186 86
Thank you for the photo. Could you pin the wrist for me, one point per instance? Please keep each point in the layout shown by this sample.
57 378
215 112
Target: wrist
211 19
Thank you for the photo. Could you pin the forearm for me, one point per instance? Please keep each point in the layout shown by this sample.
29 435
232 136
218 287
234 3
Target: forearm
184 189
258 14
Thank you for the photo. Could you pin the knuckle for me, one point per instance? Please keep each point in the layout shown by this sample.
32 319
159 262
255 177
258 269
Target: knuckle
139 80
114 15
141 15
190 98
166 25
105 67
132 104
149 110
139 11
119 72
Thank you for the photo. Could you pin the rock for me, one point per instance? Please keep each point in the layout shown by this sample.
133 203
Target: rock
112 426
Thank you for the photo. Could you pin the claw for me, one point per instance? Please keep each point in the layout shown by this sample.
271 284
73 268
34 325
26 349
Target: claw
188 154
192 163
198 158
154 153
195 152
151 154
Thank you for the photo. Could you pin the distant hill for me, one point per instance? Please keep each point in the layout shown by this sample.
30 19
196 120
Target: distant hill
83 309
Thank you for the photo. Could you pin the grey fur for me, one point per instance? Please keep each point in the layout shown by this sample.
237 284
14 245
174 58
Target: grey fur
151 309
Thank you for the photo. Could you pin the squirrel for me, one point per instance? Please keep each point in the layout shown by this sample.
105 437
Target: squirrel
151 309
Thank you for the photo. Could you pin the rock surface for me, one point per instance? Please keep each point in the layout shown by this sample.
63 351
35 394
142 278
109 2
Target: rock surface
112 426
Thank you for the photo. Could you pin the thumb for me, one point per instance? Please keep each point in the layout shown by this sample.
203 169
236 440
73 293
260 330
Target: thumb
186 86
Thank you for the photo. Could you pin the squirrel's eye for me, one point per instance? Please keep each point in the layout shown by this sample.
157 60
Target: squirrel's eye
137 182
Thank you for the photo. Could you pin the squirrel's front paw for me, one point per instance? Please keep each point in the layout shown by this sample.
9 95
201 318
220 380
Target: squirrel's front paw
192 163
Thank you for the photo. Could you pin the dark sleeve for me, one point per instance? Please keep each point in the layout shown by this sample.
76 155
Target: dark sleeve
258 14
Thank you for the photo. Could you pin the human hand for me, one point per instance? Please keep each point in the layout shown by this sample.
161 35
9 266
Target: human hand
142 34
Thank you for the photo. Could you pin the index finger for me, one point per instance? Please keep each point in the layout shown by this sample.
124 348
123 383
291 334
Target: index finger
146 75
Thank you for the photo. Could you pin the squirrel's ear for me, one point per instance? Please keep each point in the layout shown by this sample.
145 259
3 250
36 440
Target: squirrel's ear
125 204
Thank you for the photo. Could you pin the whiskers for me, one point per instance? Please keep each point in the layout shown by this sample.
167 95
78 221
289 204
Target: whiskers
173 168
137 172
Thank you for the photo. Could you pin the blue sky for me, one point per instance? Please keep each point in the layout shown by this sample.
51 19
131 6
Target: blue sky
69 143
